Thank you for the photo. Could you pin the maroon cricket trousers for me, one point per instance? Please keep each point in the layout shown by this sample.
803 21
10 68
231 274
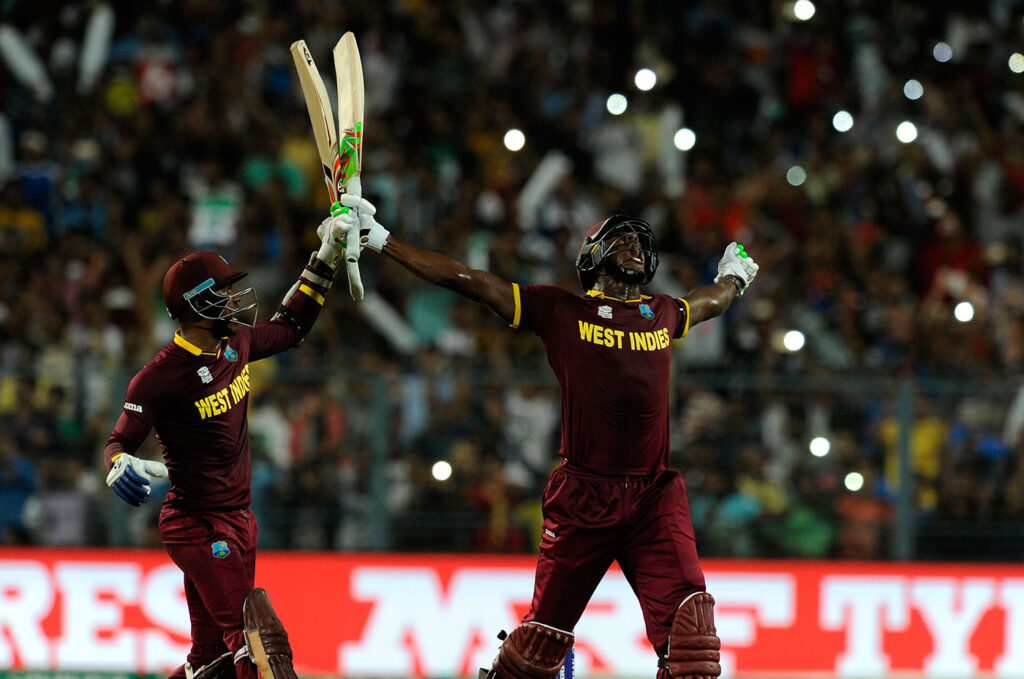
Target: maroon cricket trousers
217 553
590 520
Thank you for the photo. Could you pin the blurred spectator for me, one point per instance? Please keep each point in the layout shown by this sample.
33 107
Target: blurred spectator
17 483
864 518
928 437
194 135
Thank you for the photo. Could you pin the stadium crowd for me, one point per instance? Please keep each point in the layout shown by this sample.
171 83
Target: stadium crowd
194 136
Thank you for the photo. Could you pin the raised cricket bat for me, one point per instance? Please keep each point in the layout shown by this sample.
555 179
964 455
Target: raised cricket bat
337 161
348 69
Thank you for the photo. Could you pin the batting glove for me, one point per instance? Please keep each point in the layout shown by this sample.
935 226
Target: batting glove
371 234
332 233
130 477
737 266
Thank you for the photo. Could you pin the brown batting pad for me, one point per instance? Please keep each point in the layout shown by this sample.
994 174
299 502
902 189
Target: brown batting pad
265 637
532 651
693 646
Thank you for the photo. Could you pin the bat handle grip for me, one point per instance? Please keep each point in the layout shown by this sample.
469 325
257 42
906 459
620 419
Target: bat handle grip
355 281
353 249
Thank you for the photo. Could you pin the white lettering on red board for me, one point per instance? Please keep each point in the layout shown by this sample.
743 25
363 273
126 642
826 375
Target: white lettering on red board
92 633
80 614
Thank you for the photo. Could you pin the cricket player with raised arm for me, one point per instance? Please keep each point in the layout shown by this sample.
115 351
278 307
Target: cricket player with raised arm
613 498
195 394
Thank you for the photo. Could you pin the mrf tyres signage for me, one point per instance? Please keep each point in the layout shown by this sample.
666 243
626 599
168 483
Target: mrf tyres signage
434 616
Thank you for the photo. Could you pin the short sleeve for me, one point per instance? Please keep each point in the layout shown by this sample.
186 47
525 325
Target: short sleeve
683 326
536 306
143 403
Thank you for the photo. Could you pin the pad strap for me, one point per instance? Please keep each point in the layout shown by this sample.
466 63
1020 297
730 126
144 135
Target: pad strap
221 668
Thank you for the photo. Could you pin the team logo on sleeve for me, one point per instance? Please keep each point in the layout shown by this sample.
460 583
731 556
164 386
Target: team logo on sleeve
604 311
204 375
230 353
220 549
645 311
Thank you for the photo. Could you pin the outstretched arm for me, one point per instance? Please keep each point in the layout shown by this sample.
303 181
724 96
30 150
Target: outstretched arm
735 272
709 301
485 288
492 291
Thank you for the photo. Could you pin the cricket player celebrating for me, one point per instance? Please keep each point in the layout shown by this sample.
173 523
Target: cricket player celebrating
195 394
613 498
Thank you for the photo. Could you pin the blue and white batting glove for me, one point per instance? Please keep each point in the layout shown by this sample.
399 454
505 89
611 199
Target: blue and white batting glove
737 266
130 477
371 234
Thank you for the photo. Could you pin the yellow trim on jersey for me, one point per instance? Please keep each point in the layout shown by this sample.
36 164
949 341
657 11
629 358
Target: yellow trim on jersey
517 316
601 295
686 328
185 344
191 348
312 293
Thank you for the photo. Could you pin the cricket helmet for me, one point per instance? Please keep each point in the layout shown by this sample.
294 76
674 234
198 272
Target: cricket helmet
595 251
196 282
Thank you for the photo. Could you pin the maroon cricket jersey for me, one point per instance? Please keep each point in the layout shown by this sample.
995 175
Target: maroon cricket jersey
613 360
197 403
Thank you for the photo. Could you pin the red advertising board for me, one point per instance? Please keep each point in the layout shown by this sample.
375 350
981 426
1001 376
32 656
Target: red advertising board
437 616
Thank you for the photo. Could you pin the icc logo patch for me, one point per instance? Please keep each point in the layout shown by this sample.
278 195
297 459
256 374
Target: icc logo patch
230 353
220 549
645 311
204 375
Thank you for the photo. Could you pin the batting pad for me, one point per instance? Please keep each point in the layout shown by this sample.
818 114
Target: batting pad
265 637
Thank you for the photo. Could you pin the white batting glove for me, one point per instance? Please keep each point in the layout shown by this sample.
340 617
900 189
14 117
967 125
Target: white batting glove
332 233
371 234
130 477
737 266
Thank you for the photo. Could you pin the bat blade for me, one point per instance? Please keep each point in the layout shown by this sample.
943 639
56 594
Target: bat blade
321 116
349 70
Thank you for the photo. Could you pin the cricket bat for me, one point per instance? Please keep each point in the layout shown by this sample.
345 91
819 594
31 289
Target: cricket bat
348 69
336 166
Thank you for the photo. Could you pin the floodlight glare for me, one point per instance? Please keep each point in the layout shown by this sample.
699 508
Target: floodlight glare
906 132
796 175
645 79
514 140
616 104
442 471
684 139
793 340
842 121
803 9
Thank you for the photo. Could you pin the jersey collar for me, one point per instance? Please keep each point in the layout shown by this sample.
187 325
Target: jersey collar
600 295
191 348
